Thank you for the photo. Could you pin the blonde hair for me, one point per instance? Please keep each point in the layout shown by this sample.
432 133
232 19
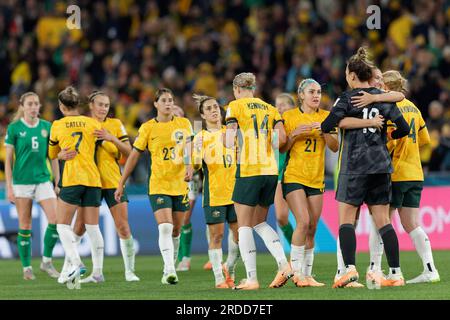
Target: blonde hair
245 80
302 86
20 113
288 98
200 100
394 81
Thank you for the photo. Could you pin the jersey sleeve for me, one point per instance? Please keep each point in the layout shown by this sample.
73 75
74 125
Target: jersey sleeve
340 107
190 131
141 142
424 136
121 132
232 115
53 143
277 117
287 124
197 153
10 139
394 113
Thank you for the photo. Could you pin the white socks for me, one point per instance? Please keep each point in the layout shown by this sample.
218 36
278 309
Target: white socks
248 251
297 258
233 253
340 259
375 247
176 246
215 256
166 246
308 262
128 254
97 247
66 236
272 242
423 248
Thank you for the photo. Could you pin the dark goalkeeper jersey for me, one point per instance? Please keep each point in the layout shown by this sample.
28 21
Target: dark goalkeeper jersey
362 151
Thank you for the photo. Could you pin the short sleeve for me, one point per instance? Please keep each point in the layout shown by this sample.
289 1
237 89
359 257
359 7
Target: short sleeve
340 107
141 142
394 112
277 117
122 134
10 138
54 134
189 129
287 124
232 114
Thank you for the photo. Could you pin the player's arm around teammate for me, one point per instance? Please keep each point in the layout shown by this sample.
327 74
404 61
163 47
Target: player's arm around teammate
112 144
219 169
303 180
28 178
167 138
80 184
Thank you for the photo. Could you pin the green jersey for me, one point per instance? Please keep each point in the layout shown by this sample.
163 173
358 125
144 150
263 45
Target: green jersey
30 148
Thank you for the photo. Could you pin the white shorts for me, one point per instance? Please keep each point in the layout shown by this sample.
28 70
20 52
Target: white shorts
38 192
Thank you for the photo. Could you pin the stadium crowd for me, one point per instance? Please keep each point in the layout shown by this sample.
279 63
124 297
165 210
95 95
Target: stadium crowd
131 48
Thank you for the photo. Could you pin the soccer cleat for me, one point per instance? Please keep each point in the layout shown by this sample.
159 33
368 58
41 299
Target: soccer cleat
50 269
28 274
93 278
184 264
169 278
130 276
350 276
223 285
282 277
247 285
300 280
207 266
425 277
83 269
393 281
73 279
354 284
374 278
313 283
228 279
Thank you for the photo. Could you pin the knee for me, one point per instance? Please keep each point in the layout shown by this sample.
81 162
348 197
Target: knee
302 226
165 228
216 238
123 230
312 229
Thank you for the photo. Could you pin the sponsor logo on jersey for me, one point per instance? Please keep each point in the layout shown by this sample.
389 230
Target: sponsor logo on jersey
44 133
160 200
22 134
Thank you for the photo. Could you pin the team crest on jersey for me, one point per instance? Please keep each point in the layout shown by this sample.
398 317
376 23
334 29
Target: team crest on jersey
216 213
44 133
160 200
178 136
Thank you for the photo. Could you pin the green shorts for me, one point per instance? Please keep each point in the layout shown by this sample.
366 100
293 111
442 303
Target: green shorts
406 194
176 203
289 187
220 214
82 196
257 190
108 195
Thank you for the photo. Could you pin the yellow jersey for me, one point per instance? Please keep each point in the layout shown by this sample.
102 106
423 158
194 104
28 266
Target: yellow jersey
76 133
219 168
256 120
108 154
405 151
166 142
305 161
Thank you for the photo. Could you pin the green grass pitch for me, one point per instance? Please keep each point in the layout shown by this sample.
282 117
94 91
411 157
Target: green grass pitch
198 284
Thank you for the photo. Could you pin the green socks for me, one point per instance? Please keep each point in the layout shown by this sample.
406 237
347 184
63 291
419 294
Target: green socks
185 241
287 231
50 239
24 247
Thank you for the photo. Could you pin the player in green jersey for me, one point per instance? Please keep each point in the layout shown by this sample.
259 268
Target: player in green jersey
28 178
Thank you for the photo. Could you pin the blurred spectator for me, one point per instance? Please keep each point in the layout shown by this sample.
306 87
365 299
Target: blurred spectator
440 158
436 119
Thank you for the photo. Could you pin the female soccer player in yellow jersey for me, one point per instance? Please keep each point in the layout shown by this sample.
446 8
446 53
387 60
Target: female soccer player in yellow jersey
113 143
80 181
219 169
303 180
283 102
168 139
28 178
256 175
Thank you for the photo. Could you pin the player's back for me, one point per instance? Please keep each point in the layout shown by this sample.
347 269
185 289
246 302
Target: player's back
256 120
77 133
363 151
406 154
